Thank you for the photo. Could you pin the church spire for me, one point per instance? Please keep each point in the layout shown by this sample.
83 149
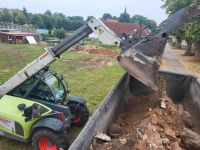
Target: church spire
125 11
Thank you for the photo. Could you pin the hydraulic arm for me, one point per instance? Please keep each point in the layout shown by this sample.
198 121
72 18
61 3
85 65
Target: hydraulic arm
50 55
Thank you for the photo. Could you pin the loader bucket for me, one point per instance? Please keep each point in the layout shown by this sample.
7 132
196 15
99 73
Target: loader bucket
143 59
143 71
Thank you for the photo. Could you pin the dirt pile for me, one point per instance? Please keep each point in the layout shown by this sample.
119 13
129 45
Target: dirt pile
97 50
150 123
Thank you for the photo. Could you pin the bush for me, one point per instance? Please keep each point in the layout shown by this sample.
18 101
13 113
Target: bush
59 33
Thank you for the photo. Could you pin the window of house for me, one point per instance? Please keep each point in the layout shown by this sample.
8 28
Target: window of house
9 37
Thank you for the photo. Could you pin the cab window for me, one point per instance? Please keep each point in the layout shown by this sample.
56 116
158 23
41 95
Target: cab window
41 92
24 88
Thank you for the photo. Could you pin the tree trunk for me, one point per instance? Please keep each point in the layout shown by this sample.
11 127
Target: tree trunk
197 48
189 50
190 139
178 45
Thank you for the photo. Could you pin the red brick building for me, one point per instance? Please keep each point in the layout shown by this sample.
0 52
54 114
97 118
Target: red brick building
122 27
16 37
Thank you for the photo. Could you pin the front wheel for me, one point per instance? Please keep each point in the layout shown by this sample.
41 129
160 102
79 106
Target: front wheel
45 139
80 112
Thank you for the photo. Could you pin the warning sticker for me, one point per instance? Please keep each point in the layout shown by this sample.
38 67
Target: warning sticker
101 31
9 124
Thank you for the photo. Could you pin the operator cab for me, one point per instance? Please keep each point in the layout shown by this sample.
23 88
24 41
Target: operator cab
44 86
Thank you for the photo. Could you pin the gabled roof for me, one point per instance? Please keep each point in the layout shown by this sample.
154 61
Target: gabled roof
123 27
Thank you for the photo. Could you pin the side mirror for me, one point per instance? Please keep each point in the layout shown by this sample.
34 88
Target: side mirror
67 91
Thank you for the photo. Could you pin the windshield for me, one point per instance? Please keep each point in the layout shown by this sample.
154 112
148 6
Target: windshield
56 86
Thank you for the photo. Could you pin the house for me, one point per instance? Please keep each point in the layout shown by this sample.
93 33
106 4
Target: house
18 37
123 27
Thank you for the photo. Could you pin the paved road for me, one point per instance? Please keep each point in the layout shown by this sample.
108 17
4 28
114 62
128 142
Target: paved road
171 63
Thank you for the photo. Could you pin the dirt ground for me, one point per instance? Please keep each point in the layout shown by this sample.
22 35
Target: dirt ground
151 122
89 49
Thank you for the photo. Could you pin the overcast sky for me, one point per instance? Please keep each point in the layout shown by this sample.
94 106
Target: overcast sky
147 8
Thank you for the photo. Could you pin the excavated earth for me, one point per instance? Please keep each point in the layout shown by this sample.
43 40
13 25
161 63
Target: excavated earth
150 122
97 50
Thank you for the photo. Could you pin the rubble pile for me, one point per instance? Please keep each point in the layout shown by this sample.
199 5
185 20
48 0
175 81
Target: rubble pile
97 50
151 123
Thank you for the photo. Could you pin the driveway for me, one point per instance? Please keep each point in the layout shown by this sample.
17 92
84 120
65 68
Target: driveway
172 63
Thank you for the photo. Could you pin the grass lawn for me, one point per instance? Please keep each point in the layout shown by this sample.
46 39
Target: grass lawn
89 76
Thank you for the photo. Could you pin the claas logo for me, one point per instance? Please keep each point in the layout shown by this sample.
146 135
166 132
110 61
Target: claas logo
44 55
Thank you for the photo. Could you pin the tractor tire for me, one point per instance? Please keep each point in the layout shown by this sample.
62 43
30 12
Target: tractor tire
81 113
46 139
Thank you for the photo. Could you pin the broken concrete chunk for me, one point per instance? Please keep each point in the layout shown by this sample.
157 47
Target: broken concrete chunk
123 140
150 109
175 146
169 132
103 137
180 109
154 119
187 114
165 141
140 145
163 104
115 130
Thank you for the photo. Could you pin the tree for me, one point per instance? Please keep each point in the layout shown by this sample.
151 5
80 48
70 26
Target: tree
25 13
192 34
124 17
36 20
191 30
48 20
106 16
144 21
75 22
6 15
59 33
89 17
21 19
179 34
59 20
196 2
152 24
172 6
0 16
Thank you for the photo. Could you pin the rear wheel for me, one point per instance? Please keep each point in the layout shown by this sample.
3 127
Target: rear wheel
45 139
80 112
